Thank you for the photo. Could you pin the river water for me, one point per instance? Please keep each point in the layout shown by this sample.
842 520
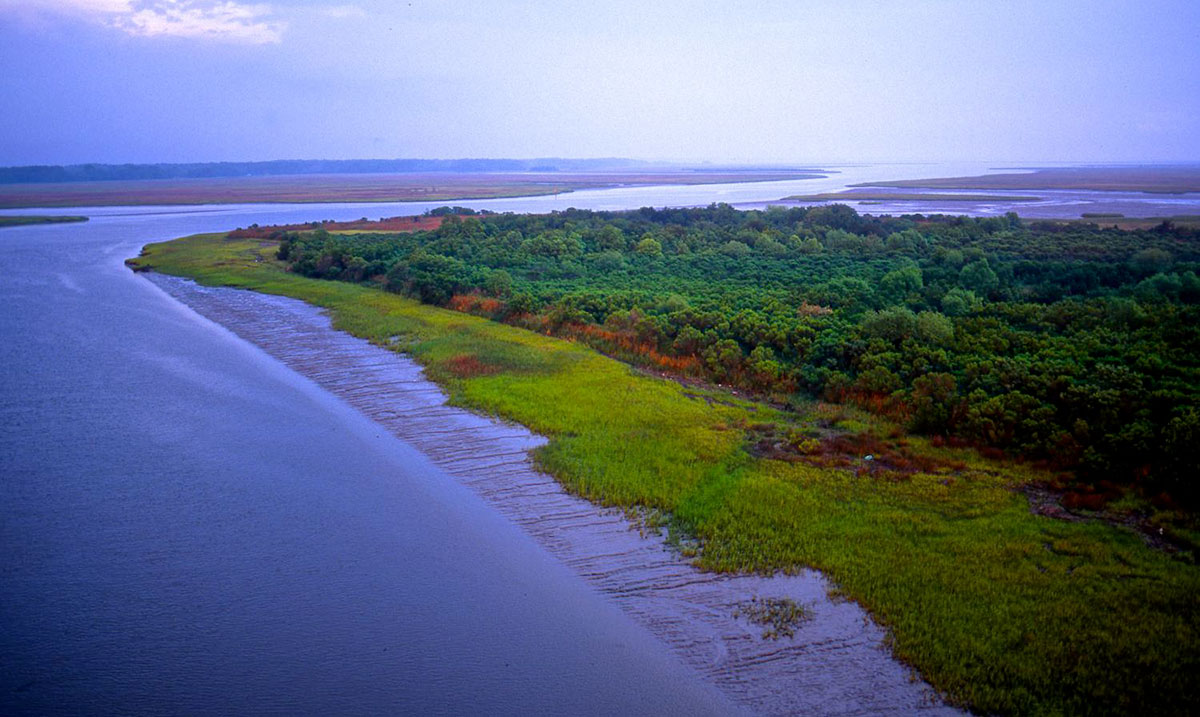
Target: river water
190 526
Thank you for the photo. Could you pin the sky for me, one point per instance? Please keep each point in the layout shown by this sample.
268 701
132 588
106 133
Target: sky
747 81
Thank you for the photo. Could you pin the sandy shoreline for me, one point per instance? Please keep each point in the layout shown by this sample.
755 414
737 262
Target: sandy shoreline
835 663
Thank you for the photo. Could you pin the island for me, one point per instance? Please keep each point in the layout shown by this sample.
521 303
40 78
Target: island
18 220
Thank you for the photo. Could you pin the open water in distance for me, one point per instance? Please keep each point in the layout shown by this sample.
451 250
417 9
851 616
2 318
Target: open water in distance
189 527
1053 204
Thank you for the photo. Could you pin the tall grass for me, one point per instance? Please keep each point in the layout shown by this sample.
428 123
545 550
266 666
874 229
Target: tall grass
1003 610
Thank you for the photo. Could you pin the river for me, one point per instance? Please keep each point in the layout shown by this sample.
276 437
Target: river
192 527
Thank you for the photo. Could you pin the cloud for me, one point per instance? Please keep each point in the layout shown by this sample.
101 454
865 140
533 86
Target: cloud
224 21
220 20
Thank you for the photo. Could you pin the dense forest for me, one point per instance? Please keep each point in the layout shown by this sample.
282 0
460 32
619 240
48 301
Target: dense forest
1065 343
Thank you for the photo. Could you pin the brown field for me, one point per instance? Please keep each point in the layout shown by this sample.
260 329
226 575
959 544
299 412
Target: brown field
389 224
424 187
1166 179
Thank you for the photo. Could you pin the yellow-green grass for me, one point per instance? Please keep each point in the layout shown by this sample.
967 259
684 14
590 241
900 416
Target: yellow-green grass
1003 610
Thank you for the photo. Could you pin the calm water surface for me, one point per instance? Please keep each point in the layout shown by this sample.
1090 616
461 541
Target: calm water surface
190 527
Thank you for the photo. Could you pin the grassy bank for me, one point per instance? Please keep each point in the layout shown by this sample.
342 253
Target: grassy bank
1004 610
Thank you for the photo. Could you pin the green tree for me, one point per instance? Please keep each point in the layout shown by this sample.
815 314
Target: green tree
611 238
893 324
934 402
499 283
934 328
649 246
960 302
734 248
979 277
1151 260
898 285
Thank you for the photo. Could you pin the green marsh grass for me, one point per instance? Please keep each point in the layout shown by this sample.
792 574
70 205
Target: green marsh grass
1002 610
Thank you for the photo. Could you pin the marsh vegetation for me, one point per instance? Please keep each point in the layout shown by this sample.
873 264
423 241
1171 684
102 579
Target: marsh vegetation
777 616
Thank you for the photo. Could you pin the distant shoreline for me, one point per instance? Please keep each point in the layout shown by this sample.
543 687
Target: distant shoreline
98 172
904 197
1149 179
367 188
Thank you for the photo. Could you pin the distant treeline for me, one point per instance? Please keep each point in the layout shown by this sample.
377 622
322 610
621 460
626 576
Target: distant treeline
1072 344
45 174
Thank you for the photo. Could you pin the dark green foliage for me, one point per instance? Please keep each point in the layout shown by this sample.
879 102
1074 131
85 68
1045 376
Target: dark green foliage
1066 343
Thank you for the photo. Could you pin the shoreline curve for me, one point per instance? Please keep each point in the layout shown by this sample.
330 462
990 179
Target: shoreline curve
835 663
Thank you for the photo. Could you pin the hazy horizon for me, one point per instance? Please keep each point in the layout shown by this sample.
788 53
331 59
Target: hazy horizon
667 162
146 81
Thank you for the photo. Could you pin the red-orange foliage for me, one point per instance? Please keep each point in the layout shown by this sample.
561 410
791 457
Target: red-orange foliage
627 344
1086 501
880 404
807 309
467 366
894 458
476 304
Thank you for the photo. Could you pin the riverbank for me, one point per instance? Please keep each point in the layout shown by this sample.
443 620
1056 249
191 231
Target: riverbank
1005 610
